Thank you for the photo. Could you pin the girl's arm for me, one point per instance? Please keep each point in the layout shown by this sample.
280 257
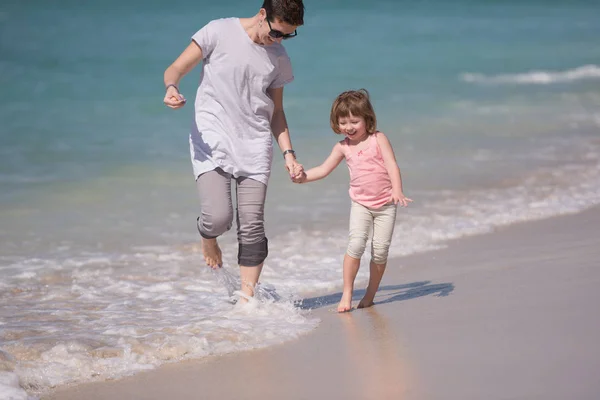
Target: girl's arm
186 61
389 159
320 172
281 133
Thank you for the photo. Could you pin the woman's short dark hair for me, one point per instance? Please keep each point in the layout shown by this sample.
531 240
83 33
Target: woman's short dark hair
288 11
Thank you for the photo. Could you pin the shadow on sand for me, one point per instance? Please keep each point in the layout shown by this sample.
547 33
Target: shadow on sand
385 294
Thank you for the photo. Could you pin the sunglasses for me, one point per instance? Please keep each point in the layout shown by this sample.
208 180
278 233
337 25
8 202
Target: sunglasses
275 34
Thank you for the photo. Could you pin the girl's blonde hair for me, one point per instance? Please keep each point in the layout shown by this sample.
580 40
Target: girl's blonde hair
357 103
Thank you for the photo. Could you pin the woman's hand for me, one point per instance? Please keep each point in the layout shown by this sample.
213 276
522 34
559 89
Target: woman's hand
174 99
295 169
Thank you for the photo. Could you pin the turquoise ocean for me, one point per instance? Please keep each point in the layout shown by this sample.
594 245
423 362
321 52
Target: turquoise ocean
493 109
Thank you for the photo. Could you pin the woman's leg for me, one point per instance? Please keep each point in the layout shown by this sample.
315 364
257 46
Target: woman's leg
383 228
214 189
252 242
360 226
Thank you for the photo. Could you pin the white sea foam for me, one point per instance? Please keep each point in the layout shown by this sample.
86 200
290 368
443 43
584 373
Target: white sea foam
536 77
10 388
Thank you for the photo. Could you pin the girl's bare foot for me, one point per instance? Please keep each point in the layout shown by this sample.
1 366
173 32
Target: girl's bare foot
212 253
345 303
365 304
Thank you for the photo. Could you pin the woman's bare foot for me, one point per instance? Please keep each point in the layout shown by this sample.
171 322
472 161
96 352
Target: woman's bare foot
365 304
249 277
345 303
212 253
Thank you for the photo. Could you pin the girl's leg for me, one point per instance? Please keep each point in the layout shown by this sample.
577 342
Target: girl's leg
214 189
383 229
375 274
351 266
252 243
360 226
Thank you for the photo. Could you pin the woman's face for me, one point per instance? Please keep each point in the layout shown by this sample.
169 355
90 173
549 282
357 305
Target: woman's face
355 128
275 31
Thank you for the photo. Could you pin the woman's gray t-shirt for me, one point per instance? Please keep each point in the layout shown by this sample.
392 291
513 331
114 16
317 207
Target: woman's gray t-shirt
232 121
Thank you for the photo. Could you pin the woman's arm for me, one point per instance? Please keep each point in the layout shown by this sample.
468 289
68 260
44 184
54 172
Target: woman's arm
281 133
186 61
389 159
326 168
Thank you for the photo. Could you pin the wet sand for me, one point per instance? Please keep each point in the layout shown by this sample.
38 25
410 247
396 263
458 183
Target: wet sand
508 315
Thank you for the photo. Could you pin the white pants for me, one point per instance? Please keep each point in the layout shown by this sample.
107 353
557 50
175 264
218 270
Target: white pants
381 221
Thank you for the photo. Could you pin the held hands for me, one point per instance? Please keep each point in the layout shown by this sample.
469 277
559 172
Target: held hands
400 198
295 169
302 178
173 99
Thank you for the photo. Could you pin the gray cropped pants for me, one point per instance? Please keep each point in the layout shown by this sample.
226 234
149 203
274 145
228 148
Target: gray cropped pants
216 218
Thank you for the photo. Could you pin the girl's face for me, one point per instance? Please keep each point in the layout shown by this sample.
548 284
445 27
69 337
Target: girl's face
355 128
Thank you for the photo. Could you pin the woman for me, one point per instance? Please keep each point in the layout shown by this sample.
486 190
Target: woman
238 109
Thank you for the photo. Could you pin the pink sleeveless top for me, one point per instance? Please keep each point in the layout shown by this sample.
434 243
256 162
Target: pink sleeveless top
370 184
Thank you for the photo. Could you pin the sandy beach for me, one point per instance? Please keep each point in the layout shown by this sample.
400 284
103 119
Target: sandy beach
508 315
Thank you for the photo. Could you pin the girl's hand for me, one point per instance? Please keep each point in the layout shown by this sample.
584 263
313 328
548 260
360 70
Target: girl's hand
301 179
173 99
295 169
400 198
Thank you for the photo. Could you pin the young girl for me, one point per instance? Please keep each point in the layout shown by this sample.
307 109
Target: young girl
375 188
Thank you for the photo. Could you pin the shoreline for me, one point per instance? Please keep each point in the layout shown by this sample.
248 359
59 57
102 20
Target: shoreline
510 313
